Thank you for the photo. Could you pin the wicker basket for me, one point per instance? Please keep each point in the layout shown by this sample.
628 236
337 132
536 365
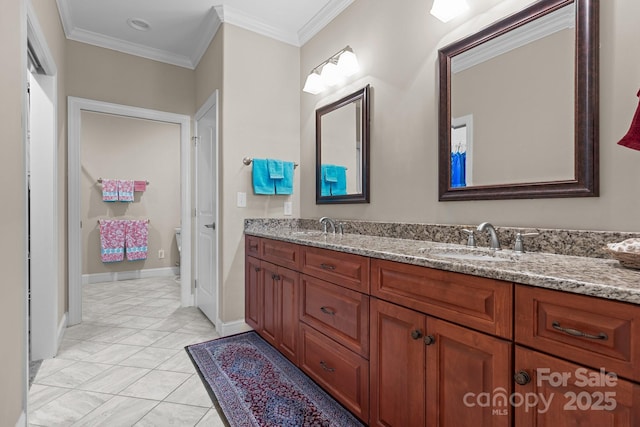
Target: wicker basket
627 252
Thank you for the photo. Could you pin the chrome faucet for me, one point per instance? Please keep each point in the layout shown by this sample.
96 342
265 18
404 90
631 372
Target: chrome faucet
324 220
494 242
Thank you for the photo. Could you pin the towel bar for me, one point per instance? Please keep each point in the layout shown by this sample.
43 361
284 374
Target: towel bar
247 161
100 181
148 220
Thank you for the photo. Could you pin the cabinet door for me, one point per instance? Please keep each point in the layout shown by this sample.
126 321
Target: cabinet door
464 367
288 282
397 365
270 306
252 293
566 394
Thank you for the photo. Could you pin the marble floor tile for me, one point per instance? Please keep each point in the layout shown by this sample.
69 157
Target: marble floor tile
119 411
155 385
115 353
114 380
50 366
113 335
139 322
150 357
177 340
79 350
40 395
83 331
68 408
170 414
211 419
144 337
74 375
191 392
178 363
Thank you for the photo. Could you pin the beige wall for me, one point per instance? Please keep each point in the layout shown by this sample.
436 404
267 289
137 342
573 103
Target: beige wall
261 94
111 76
397 49
13 224
126 148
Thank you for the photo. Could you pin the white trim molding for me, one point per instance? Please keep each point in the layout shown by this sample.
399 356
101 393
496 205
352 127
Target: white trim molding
115 276
75 108
232 328
62 327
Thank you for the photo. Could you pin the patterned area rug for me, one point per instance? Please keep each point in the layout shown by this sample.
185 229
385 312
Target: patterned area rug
252 384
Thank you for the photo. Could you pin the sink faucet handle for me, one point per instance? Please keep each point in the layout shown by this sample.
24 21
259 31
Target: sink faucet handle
340 227
471 238
519 245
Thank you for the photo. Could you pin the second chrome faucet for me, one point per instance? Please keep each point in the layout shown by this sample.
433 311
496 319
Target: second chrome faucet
494 241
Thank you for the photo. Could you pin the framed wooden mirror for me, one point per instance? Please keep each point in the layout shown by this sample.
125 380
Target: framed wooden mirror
342 150
518 114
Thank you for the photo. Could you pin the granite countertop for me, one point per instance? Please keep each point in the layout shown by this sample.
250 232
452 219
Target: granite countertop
604 278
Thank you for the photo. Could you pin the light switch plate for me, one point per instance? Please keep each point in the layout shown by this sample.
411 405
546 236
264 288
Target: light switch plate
288 208
242 200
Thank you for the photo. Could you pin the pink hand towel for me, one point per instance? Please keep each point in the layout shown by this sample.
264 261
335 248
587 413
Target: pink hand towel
125 190
112 234
139 185
136 239
109 190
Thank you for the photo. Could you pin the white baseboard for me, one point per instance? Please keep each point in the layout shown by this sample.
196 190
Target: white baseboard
128 275
232 328
22 421
62 327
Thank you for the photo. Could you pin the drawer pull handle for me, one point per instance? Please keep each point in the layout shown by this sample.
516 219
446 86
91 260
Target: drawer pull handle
329 267
328 311
522 378
326 367
416 335
577 333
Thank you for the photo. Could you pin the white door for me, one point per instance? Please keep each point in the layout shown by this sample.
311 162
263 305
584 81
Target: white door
206 212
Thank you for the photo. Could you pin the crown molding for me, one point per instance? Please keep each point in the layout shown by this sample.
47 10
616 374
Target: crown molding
321 20
535 30
65 16
241 19
135 49
208 31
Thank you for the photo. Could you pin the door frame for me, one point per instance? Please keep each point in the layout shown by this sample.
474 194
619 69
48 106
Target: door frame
211 102
75 108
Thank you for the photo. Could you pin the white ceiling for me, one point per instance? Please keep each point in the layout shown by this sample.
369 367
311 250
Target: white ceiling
181 30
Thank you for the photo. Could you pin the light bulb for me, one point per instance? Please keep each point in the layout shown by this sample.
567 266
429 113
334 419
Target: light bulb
348 63
446 10
313 84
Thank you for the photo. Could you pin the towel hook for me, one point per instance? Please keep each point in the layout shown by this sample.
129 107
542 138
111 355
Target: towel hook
248 160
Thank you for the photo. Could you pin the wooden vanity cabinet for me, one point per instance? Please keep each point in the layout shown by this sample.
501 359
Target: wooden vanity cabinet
429 372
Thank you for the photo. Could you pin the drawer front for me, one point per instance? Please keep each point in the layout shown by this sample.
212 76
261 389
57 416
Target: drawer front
252 246
479 303
340 313
593 331
280 253
344 374
348 270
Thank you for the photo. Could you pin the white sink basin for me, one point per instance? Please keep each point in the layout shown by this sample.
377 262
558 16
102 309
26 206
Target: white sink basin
465 253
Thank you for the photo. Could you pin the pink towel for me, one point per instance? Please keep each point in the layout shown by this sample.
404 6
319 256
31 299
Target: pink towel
139 185
136 239
125 190
109 190
112 233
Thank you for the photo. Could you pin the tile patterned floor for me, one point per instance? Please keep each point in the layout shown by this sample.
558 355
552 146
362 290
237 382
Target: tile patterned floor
125 364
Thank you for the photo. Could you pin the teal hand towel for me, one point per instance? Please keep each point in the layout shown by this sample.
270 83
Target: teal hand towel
330 173
276 168
339 188
285 185
325 186
262 184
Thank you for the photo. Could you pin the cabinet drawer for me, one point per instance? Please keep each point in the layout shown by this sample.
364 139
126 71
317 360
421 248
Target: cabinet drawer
252 246
476 302
348 270
338 312
280 253
341 372
593 331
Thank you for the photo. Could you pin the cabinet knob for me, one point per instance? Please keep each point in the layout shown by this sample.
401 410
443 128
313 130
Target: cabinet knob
416 335
429 339
522 378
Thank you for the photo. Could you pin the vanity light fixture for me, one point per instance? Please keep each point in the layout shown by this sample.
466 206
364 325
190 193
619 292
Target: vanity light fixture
446 10
332 71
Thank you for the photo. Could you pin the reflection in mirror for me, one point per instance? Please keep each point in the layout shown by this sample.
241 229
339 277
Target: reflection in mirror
342 142
518 106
